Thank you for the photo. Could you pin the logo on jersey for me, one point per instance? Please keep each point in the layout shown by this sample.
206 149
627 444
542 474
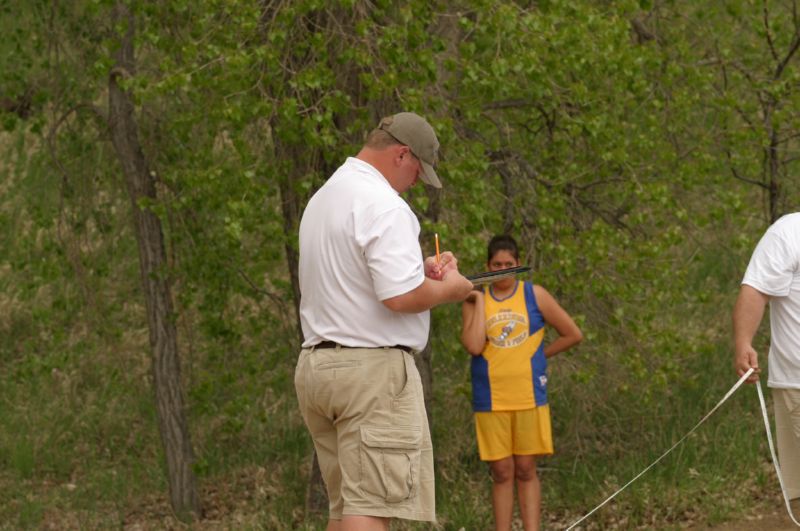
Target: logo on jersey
513 329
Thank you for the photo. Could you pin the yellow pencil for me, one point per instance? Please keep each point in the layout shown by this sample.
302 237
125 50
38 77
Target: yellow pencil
436 238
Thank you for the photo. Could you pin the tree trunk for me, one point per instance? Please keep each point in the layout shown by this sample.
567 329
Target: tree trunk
425 368
291 208
316 495
773 158
290 205
152 261
423 360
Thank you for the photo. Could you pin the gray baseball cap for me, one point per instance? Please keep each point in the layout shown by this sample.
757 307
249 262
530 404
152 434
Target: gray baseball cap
415 132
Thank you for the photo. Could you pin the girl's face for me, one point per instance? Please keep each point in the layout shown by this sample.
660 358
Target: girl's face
503 260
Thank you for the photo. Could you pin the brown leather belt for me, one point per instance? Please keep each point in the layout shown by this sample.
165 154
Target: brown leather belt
333 344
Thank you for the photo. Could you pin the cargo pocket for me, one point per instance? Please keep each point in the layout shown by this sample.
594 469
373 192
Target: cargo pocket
390 461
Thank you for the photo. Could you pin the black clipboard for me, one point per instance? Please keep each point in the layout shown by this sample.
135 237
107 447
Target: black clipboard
490 276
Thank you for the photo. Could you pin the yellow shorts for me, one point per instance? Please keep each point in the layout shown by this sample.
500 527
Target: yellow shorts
502 434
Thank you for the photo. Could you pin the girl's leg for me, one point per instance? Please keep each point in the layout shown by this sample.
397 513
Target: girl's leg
528 490
363 523
502 492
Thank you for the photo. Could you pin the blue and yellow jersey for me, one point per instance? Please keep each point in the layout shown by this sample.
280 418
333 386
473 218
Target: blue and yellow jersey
511 373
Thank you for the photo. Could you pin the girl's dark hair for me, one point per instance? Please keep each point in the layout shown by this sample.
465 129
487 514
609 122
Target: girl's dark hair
502 242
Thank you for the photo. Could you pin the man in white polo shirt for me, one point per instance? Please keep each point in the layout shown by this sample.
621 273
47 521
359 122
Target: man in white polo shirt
773 276
365 296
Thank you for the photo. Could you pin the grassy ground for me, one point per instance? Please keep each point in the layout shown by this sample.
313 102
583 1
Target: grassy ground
79 449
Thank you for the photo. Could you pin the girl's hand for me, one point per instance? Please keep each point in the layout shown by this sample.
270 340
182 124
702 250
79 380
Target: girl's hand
474 296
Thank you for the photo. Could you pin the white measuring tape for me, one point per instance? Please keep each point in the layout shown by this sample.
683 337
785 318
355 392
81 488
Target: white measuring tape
724 398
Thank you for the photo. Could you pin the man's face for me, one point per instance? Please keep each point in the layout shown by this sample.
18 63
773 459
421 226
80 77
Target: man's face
410 169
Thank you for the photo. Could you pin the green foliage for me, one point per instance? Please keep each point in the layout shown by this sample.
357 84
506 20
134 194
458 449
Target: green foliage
613 138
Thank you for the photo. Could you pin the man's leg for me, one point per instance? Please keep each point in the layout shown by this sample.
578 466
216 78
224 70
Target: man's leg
502 492
384 450
787 428
323 434
529 491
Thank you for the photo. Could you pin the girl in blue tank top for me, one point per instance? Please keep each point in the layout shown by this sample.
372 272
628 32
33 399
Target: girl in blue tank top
504 329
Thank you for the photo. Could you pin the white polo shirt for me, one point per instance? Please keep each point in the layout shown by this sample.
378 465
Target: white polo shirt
359 245
774 270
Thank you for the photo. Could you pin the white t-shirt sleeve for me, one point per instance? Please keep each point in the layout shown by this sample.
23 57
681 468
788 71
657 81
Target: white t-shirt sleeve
394 258
772 266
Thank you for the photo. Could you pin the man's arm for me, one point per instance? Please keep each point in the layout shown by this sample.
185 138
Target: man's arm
454 287
747 314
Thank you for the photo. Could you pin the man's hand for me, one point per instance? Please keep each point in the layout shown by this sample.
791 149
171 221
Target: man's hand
447 271
458 285
443 284
447 263
747 358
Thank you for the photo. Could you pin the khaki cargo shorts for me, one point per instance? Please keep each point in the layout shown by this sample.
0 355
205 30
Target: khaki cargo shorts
787 431
366 414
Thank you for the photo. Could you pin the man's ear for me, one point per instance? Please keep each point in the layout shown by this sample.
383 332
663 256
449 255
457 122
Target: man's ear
400 152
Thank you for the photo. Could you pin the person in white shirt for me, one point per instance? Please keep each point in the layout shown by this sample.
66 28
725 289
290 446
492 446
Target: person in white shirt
364 310
773 277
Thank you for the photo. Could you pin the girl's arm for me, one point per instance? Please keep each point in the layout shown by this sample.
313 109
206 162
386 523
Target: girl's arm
473 324
569 334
